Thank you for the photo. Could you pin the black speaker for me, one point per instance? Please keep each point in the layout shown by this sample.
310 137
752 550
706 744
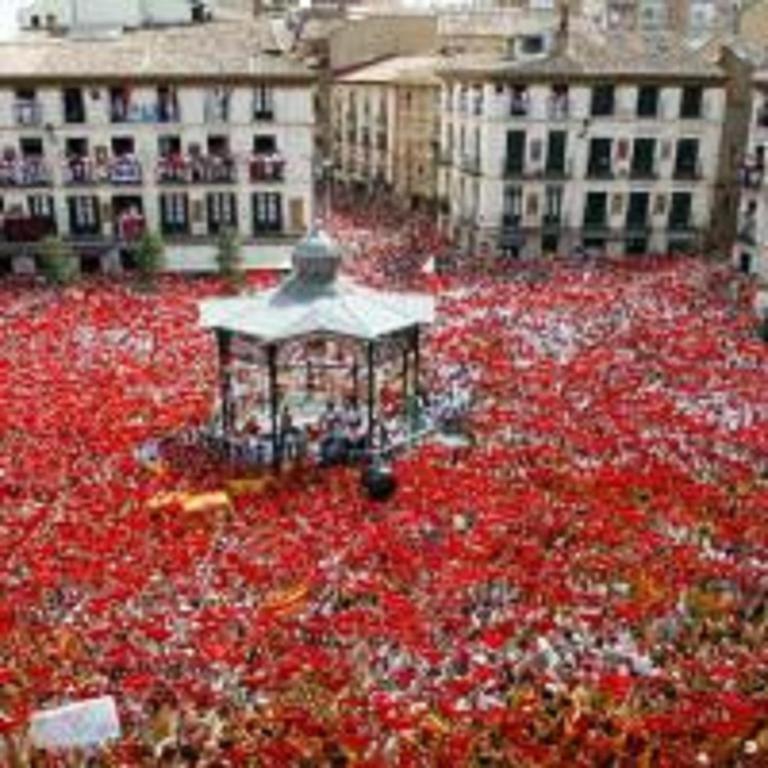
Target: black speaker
380 482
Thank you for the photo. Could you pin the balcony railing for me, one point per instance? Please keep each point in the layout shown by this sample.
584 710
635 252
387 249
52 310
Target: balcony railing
558 108
681 226
513 170
81 170
196 169
595 225
267 167
28 113
24 172
519 106
124 170
599 171
511 221
27 229
470 164
557 170
643 173
130 112
637 226
687 172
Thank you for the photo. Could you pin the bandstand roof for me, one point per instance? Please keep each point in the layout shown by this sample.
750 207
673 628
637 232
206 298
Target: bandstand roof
314 300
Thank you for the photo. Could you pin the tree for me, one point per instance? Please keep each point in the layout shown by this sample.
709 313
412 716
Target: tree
58 262
229 257
150 256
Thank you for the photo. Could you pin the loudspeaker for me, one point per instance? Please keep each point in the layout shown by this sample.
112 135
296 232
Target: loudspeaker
380 482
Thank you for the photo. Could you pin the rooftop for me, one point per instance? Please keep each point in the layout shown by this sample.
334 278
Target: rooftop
397 69
230 49
589 55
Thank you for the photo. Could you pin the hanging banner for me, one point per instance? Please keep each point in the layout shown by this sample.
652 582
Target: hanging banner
86 723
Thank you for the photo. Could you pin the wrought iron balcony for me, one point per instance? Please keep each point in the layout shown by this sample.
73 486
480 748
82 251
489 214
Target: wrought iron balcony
267 167
24 172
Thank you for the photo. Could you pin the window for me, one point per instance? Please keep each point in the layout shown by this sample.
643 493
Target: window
120 106
643 154
556 144
263 103
553 205
531 45
217 104
222 211
596 211
519 102
27 109
603 97
267 212
648 101
691 102
74 105
167 105
40 206
174 213
31 147
515 162
680 211
266 164
218 146
559 102
264 144
600 158
687 159
513 205
637 210
169 145
123 145
84 215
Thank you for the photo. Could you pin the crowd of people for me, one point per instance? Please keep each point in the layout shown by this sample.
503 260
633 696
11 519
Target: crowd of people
585 586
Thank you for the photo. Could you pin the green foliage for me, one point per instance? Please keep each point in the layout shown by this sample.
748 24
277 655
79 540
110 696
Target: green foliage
229 257
150 257
58 262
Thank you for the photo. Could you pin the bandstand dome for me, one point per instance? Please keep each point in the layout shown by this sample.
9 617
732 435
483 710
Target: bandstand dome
316 300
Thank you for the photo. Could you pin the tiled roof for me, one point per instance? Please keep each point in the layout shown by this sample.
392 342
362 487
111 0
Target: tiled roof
218 49
397 69
589 55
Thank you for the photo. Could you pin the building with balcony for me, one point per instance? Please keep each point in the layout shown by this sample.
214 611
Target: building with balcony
606 144
71 14
186 130
386 127
751 249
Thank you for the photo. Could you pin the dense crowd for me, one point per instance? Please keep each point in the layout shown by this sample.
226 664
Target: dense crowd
585 586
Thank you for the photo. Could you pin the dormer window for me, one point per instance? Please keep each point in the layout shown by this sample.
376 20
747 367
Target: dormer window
532 45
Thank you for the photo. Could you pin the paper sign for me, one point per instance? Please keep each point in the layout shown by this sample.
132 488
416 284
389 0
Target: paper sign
85 723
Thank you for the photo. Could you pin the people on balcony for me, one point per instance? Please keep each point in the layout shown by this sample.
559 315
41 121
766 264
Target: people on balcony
267 166
23 171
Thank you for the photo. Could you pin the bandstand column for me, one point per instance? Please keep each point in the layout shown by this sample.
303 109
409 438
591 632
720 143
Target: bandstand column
224 343
273 403
406 361
371 391
416 358
356 379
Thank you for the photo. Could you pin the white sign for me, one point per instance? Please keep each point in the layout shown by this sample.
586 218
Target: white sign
86 723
